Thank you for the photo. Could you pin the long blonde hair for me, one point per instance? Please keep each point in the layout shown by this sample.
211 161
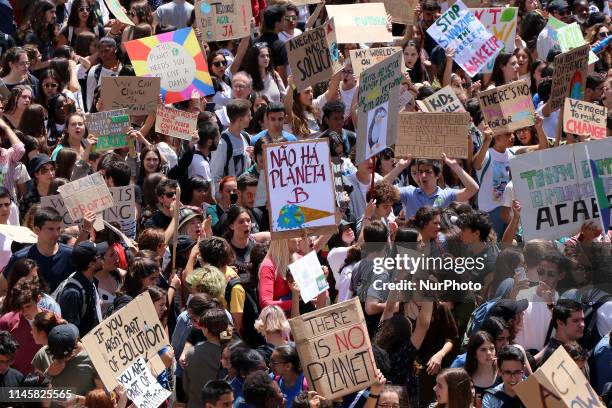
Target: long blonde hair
272 319
281 256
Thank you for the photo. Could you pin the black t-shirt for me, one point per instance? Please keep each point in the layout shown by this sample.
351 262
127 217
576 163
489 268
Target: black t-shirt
278 52
158 220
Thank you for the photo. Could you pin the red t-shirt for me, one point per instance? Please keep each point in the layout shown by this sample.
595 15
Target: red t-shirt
18 326
272 286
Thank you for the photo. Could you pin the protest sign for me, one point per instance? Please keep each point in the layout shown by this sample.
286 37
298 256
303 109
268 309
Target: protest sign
379 88
569 76
501 22
299 174
428 135
175 122
18 233
110 127
401 11
460 29
334 349
604 204
86 194
314 56
223 20
507 108
584 118
137 95
559 382
305 2
570 37
336 164
131 332
445 100
555 189
360 23
361 59
141 387
115 7
309 276
175 57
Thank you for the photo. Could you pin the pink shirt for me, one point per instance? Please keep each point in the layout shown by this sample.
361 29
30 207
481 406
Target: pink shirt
8 161
20 328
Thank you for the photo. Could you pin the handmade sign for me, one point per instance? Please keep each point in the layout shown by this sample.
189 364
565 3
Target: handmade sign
379 88
507 108
360 23
361 59
110 127
86 194
460 29
584 118
18 233
445 100
401 11
223 20
115 7
604 204
569 76
141 387
555 189
305 2
309 276
570 37
131 332
137 95
299 175
501 21
428 135
176 58
314 56
559 383
176 123
334 349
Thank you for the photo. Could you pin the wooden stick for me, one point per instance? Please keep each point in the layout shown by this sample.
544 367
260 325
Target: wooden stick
373 173
177 207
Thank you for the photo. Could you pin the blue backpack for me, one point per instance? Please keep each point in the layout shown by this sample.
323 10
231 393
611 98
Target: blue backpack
479 315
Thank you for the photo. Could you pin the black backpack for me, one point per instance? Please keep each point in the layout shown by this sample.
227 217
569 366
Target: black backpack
230 149
250 312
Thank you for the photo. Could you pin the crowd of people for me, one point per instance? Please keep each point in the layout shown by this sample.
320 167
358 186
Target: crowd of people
221 287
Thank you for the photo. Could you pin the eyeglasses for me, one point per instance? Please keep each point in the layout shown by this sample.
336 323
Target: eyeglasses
513 373
82 9
170 194
50 85
291 18
240 86
261 45
219 64
544 272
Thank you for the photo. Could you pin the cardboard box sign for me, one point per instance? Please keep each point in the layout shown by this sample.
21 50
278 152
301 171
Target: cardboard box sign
137 95
335 350
223 20
360 23
569 76
508 108
584 118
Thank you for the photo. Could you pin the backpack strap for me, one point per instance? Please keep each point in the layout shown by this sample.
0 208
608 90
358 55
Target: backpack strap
485 168
230 286
229 153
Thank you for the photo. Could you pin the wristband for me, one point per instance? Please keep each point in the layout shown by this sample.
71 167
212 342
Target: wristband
374 396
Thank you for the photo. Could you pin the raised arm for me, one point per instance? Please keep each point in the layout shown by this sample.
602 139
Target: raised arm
240 53
484 148
471 187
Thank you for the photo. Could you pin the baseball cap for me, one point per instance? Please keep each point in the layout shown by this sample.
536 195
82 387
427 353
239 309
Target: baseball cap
38 161
62 339
85 252
557 5
184 243
508 308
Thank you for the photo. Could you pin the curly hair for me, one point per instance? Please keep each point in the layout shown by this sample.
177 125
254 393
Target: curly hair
26 290
8 344
384 193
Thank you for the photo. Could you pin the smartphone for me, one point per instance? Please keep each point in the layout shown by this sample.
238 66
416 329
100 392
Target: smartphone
233 198
522 273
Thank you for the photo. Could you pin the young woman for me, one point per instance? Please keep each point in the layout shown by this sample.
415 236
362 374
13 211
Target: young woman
412 61
33 122
480 363
150 162
42 170
143 272
27 268
217 64
50 84
454 389
597 33
110 278
509 277
59 106
535 76
524 60
41 326
64 162
10 154
197 193
74 136
82 18
142 16
240 237
274 327
101 399
505 70
15 69
40 30
342 258
258 64
18 101
285 365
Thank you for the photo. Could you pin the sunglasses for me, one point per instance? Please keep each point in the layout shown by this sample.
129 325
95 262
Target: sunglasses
170 194
219 64
291 18
50 85
261 45
83 9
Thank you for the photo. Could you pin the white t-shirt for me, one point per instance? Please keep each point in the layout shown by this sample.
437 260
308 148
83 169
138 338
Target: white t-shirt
5 243
496 176
336 258
604 318
347 99
168 153
201 167
285 36
536 319
549 123
21 177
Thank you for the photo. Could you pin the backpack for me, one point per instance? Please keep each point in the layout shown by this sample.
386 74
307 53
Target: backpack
230 149
250 312
507 401
479 315
71 280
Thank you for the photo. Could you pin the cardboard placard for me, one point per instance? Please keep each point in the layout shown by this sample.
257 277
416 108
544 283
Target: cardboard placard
137 95
428 135
141 387
558 383
177 58
555 188
175 122
445 100
501 21
110 127
570 37
223 20
314 56
299 174
460 29
115 7
569 76
360 23
362 59
584 118
599 188
401 11
507 108
131 332
86 194
334 349
379 88
18 233
309 276
305 2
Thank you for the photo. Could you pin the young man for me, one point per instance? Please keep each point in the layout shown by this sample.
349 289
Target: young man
231 157
202 362
9 377
176 13
594 87
166 192
208 141
290 22
380 206
333 120
54 260
568 322
547 38
247 190
272 26
512 369
217 394
359 183
475 230
426 173
245 361
78 298
274 120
